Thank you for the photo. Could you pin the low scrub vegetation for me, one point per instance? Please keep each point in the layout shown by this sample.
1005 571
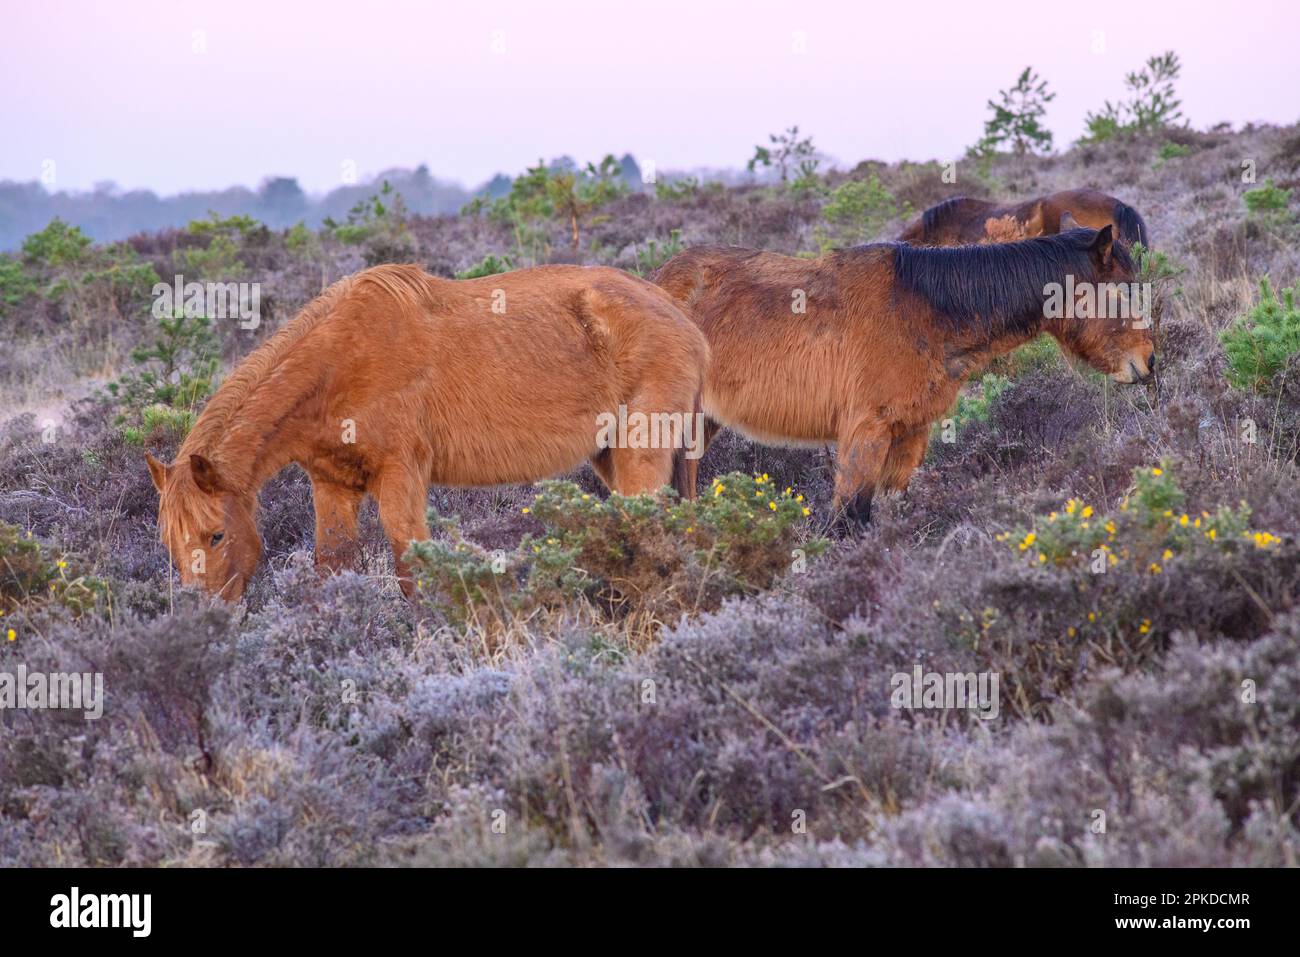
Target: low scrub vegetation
652 681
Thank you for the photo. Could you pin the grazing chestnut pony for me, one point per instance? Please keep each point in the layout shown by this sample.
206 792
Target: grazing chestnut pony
868 346
392 380
962 220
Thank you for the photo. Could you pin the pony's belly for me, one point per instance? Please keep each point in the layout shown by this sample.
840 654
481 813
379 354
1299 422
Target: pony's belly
512 459
773 417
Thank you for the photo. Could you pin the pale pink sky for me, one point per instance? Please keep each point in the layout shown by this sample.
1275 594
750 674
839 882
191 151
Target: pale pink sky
116 91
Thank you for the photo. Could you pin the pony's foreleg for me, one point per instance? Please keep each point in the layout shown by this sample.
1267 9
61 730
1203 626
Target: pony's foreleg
337 507
402 498
905 455
863 450
603 464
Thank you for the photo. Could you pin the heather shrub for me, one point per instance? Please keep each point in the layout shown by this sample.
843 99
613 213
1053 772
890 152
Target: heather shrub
324 721
651 556
1260 343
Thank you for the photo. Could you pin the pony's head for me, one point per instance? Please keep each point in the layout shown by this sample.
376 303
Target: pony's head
1108 328
208 526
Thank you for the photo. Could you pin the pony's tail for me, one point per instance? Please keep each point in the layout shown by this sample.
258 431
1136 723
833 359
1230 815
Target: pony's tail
686 470
1132 227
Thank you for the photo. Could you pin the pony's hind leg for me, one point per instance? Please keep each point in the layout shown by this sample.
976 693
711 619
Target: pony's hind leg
905 455
402 498
337 507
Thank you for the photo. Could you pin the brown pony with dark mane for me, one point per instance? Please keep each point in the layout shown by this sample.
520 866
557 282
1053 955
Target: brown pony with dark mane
962 220
868 346
393 380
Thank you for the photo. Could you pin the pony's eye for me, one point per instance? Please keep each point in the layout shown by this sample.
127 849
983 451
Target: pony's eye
218 537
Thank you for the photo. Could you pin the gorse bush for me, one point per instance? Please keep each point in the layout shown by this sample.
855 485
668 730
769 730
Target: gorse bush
655 557
33 573
1112 588
1017 118
1150 529
1260 343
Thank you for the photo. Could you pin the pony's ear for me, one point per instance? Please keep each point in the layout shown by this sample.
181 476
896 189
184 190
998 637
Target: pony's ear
205 475
157 471
1101 245
1068 221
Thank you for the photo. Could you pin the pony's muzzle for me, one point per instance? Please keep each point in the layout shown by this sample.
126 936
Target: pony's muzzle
1134 374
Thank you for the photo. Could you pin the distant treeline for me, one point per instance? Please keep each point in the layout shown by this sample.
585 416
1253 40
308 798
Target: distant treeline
106 213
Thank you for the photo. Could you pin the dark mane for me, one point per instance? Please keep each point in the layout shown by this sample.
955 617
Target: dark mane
1132 228
996 287
939 214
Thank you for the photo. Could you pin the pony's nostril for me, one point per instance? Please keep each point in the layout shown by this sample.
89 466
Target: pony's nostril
1151 364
